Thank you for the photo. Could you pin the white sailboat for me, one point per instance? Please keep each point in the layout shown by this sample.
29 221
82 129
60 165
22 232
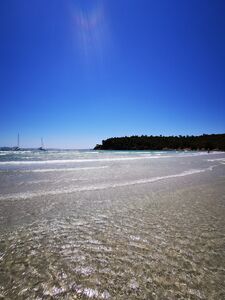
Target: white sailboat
17 148
42 148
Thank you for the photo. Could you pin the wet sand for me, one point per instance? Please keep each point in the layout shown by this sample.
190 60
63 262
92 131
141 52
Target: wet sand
155 239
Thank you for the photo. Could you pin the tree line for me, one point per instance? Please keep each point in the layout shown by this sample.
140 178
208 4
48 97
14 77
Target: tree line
144 142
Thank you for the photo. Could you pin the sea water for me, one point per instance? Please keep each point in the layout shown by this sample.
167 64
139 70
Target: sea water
112 224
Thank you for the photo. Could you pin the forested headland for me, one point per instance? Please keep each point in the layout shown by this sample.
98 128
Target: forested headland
144 142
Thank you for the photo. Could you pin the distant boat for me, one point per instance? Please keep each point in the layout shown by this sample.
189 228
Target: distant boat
17 148
42 148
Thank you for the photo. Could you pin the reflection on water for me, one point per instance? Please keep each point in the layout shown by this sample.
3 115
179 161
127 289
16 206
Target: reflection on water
163 240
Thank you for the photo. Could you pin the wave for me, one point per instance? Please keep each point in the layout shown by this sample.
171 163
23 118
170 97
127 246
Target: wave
217 159
52 170
61 169
86 160
52 181
29 195
64 161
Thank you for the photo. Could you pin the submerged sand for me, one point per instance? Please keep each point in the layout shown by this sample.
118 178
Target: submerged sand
159 239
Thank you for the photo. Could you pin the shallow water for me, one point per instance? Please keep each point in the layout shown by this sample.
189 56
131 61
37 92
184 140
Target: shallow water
112 225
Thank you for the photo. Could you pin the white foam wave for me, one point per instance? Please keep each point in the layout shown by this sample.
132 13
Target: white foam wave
53 170
108 159
61 169
53 181
29 195
217 159
65 161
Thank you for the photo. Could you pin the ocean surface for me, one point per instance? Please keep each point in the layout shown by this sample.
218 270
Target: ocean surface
112 225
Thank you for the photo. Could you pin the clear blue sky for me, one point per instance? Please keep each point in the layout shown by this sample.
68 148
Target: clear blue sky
76 72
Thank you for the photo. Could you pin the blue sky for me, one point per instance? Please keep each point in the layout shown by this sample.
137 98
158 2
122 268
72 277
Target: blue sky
77 72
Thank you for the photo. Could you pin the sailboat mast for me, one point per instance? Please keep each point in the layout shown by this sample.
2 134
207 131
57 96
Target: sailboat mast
42 144
18 140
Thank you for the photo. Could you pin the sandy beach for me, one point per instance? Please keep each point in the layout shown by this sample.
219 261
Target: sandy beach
112 225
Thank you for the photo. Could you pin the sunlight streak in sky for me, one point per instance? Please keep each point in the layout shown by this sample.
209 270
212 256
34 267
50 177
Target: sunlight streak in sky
91 31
